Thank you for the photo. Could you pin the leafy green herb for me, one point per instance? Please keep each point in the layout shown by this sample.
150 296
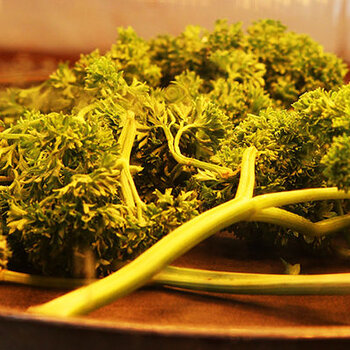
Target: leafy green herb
142 152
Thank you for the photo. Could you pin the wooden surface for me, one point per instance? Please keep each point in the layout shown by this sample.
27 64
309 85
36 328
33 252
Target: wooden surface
28 67
170 317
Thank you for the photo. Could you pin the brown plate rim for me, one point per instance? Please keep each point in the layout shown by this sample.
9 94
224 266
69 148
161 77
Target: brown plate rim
285 332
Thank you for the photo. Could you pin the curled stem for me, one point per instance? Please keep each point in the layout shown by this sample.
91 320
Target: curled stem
175 151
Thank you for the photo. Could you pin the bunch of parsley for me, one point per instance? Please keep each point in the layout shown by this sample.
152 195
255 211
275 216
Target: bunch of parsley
167 141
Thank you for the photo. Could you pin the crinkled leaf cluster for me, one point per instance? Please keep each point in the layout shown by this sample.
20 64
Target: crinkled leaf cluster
65 196
114 151
303 147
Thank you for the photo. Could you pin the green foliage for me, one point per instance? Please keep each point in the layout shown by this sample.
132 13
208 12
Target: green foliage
337 164
239 99
62 166
304 147
66 195
131 55
282 149
113 152
174 55
243 73
292 143
240 66
285 63
225 36
294 62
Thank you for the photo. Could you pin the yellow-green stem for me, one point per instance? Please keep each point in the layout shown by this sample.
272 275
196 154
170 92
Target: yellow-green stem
176 243
41 281
212 281
126 141
224 172
161 254
300 224
245 283
141 270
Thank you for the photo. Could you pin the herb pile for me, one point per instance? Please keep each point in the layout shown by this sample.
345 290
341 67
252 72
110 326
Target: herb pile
113 153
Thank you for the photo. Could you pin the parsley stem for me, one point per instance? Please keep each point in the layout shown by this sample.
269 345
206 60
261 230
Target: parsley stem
85 110
300 224
15 136
140 271
181 159
129 190
246 183
254 283
152 261
40 281
211 281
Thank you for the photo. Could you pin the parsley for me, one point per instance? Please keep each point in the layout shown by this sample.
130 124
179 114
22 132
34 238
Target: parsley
140 153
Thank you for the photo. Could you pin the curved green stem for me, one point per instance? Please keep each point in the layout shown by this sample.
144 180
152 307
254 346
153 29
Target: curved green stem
130 192
170 275
85 110
213 281
161 254
175 151
126 191
124 143
140 271
179 134
298 223
251 283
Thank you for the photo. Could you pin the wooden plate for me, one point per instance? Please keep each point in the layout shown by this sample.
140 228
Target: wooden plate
166 318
